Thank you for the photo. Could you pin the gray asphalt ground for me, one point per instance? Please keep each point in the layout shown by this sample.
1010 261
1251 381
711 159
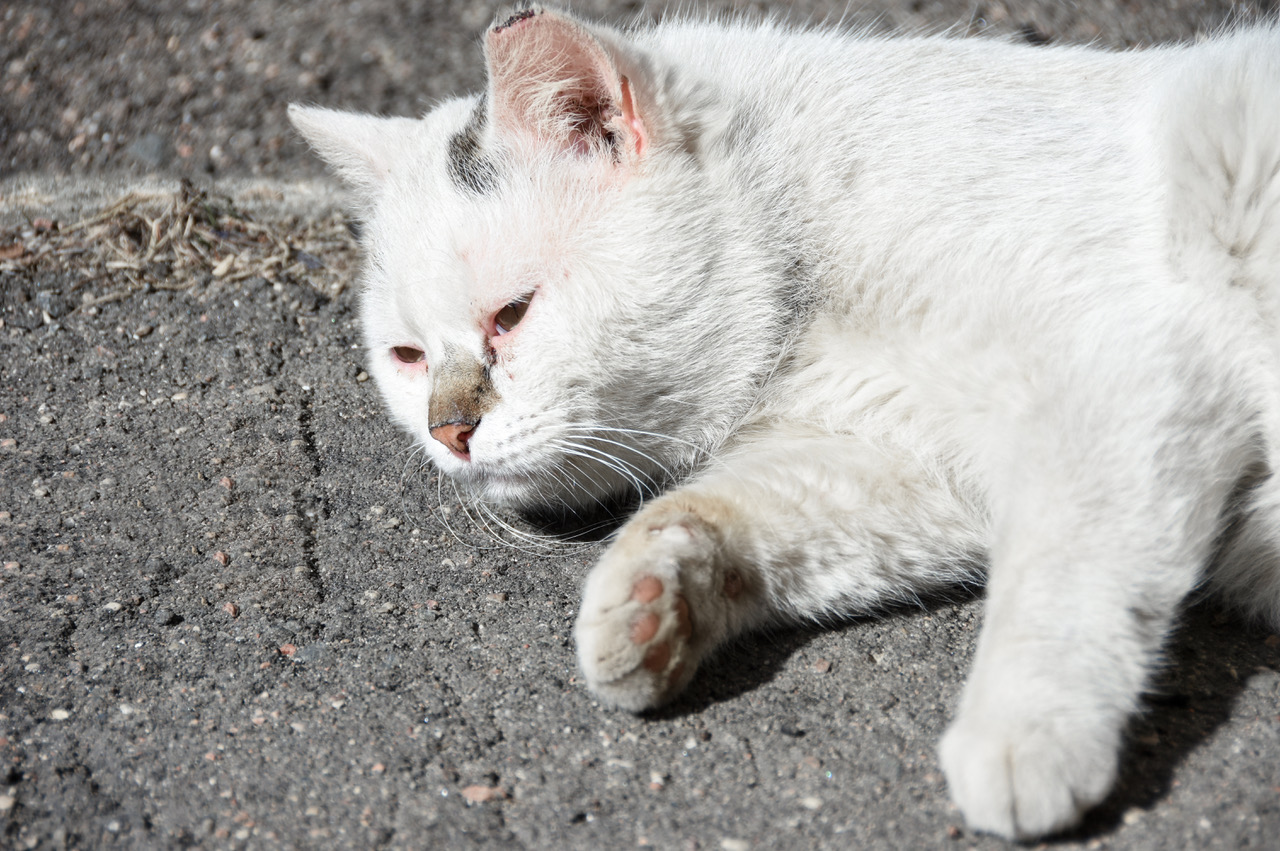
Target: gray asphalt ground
236 611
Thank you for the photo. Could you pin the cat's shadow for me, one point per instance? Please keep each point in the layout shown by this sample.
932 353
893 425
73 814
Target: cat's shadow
754 660
741 668
588 526
1209 661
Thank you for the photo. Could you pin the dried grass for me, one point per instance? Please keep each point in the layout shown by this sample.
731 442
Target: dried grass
177 241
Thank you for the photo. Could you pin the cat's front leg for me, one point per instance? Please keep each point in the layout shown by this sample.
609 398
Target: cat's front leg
787 528
1085 582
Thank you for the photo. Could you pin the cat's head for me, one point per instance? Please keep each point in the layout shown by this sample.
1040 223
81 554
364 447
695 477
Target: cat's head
550 303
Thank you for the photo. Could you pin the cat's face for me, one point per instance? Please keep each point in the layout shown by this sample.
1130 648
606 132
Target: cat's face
544 306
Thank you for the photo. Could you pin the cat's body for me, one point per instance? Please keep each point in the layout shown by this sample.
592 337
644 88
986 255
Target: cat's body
882 311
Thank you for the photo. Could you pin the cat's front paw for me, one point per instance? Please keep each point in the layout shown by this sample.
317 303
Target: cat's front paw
1025 778
638 636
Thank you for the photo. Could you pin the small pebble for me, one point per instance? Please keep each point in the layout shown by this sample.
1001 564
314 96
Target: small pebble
312 653
231 609
221 558
362 377
811 803
165 617
7 802
822 666
143 331
113 607
59 715
734 845
481 794
500 597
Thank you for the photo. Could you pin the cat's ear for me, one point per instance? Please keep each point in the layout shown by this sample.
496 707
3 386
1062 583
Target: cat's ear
362 150
554 80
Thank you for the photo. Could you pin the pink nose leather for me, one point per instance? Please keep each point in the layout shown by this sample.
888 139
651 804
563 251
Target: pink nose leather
455 437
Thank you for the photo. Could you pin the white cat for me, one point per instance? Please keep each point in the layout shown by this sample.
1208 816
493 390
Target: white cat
876 311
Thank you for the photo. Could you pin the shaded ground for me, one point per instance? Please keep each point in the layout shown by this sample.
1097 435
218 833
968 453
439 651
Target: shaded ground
235 611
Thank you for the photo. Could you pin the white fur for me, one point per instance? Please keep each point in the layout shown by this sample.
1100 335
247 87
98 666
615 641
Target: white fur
885 309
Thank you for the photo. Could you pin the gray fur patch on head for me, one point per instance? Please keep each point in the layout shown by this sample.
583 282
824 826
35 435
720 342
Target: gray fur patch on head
469 169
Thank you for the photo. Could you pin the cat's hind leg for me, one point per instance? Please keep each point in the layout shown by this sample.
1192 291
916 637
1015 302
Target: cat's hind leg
789 527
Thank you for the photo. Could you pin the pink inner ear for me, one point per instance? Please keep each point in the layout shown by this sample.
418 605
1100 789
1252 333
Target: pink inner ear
632 118
551 79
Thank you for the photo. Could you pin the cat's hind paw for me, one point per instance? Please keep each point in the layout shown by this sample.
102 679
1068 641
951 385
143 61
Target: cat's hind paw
1023 780
636 633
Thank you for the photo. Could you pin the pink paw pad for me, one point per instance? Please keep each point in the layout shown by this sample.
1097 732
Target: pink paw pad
647 590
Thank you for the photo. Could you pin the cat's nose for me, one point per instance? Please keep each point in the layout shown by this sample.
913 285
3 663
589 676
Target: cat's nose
455 436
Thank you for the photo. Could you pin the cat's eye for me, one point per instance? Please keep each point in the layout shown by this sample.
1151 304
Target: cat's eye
510 316
407 354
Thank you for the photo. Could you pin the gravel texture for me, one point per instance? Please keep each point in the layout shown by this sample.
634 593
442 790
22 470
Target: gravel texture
236 611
